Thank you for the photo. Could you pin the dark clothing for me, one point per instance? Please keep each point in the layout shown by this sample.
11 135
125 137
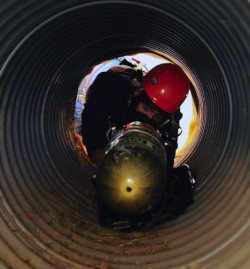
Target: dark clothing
107 100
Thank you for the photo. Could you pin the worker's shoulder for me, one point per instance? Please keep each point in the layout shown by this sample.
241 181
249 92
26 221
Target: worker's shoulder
112 79
109 84
110 76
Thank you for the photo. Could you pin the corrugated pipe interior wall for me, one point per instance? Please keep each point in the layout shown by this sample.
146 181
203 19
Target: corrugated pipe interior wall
48 211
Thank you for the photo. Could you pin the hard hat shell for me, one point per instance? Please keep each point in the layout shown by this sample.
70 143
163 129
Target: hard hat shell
167 86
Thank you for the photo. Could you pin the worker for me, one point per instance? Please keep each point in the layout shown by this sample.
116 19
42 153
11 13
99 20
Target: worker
125 94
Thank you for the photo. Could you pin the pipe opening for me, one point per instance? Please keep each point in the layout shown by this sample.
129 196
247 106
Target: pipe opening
145 61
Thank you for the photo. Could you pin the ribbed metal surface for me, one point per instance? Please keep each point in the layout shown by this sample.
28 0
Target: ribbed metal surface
48 212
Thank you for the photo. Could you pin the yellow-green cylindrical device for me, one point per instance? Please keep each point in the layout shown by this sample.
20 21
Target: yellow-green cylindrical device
131 178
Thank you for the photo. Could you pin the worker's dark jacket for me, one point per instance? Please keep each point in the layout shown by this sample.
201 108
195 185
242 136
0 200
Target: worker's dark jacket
107 100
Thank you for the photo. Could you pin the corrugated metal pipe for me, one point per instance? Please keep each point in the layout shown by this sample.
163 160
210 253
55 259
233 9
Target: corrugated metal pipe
48 208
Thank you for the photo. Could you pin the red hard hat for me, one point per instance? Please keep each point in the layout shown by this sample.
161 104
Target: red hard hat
167 86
